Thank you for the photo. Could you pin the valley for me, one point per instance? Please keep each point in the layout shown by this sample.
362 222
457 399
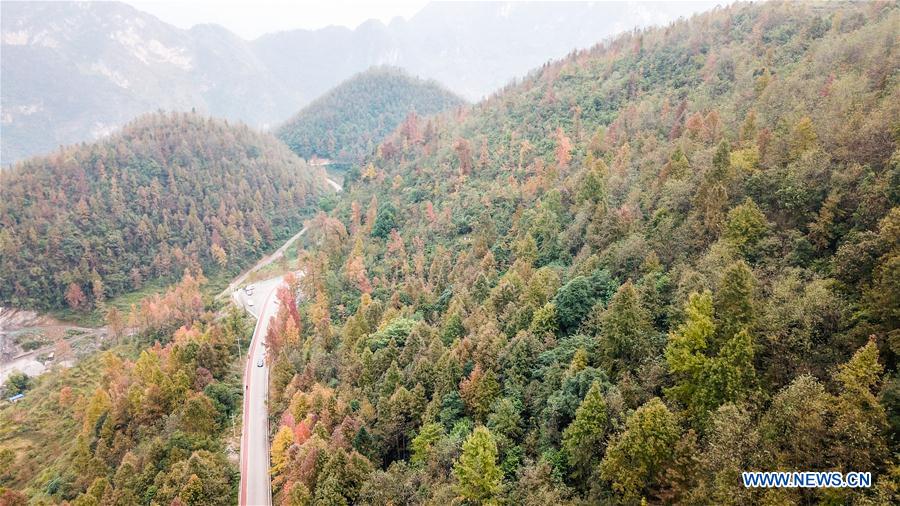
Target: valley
629 276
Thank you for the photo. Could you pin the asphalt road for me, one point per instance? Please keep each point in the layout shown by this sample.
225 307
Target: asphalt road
233 286
255 484
333 184
256 487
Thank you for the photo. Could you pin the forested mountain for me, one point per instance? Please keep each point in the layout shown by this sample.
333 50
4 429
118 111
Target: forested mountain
104 63
349 121
644 269
171 191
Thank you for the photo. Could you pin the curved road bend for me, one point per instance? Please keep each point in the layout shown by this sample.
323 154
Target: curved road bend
271 258
255 487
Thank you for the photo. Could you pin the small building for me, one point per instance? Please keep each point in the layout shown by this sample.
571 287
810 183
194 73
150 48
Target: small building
16 398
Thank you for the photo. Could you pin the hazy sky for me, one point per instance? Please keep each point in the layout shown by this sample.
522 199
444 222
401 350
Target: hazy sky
252 18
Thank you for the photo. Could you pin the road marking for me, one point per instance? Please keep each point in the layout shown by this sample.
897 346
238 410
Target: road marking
248 379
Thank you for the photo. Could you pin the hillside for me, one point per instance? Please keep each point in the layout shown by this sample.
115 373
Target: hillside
168 192
149 420
644 269
349 121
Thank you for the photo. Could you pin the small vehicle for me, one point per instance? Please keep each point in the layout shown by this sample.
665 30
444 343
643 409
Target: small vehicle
259 363
251 303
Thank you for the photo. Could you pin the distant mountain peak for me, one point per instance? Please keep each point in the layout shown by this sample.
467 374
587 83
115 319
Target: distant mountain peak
345 123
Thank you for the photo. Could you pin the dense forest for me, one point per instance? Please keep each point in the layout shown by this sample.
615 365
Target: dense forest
350 120
147 421
169 192
638 272
631 276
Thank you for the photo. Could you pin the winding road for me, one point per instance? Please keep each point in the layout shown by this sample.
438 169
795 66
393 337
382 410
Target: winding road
238 281
256 488
255 484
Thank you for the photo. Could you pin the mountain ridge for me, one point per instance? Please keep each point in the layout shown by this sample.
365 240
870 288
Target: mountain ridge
106 63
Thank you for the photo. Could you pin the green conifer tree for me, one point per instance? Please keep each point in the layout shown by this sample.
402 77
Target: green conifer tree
583 439
637 458
625 331
478 477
